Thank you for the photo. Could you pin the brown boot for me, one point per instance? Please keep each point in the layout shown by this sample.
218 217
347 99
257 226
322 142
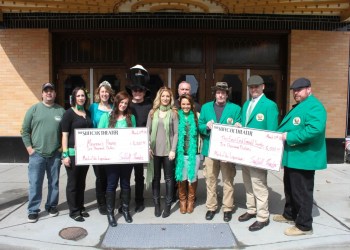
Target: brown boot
192 187
182 196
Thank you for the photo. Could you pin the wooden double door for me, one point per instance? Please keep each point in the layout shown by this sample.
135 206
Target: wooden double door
68 79
198 78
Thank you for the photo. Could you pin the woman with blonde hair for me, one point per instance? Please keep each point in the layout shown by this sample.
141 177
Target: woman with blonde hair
103 104
162 124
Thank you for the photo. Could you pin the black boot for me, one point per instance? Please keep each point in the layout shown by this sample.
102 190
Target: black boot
139 188
101 185
156 198
166 211
125 197
101 203
110 201
169 186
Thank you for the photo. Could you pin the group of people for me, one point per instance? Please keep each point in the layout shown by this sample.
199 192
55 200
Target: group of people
179 133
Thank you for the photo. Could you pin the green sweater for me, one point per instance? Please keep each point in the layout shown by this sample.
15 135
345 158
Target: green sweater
104 122
41 128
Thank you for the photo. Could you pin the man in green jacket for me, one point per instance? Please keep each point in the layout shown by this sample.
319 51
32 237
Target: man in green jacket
218 111
41 136
261 113
304 129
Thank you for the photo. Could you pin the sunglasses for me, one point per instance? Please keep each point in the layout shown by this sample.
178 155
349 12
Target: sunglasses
137 90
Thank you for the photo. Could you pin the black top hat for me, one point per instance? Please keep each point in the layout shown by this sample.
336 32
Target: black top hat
139 77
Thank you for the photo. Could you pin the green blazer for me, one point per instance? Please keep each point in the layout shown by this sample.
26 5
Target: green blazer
230 115
264 115
305 124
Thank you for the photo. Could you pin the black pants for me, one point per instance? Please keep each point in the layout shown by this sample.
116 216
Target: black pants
168 167
118 172
101 179
298 189
76 177
139 183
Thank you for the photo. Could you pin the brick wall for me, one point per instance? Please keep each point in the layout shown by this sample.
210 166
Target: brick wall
25 63
24 66
323 57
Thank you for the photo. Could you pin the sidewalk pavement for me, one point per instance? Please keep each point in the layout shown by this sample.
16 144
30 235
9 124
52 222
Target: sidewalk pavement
331 214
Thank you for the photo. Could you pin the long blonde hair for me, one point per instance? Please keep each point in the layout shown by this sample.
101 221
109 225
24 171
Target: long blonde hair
108 87
156 102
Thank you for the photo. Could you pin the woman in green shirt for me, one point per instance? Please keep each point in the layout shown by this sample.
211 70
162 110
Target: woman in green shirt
119 117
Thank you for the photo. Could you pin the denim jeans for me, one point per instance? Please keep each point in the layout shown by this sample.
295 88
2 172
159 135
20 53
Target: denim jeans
118 172
37 167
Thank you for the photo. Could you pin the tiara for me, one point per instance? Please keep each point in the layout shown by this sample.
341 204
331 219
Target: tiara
105 83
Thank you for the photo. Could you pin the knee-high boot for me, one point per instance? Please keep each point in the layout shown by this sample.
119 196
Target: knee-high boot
125 197
110 201
101 203
169 186
192 187
156 198
182 196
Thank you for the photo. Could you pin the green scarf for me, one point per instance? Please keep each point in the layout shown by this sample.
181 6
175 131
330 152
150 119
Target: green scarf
79 107
192 149
154 126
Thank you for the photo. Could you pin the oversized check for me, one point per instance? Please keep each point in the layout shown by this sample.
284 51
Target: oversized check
111 146
246 146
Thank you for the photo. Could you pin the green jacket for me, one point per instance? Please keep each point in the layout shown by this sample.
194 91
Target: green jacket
264 115
230 115
305 147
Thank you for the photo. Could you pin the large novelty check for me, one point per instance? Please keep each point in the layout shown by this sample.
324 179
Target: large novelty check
111 146
245 146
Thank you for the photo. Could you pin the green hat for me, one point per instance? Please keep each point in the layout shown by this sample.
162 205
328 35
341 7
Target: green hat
255 80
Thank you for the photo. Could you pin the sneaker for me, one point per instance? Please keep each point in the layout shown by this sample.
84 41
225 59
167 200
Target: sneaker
294 231
53 211
280 218
32 218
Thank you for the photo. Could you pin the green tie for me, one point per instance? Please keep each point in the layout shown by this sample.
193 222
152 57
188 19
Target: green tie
249 111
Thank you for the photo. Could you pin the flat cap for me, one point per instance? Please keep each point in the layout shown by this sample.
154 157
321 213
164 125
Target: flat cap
301 83
255 80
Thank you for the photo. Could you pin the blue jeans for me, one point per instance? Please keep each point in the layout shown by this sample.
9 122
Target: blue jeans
118 172
37 167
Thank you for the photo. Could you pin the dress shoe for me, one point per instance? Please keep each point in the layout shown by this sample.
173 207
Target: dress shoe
246 216
210 215
227 216
84 214
78 218
294 231
256 226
